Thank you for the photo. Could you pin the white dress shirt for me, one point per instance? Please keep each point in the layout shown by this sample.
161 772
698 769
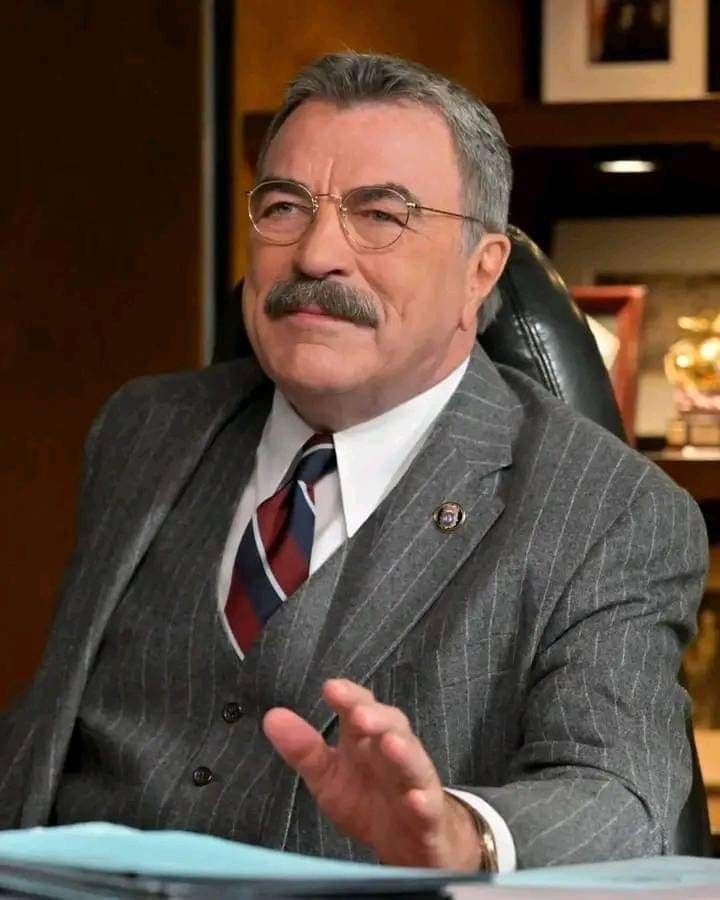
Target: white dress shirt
345 498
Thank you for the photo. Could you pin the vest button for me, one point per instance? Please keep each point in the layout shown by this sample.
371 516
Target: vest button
232 712
202 776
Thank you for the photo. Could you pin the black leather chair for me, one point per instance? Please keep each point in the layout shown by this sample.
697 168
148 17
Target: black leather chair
540 331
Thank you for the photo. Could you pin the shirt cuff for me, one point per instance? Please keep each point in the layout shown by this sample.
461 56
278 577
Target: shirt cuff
504 843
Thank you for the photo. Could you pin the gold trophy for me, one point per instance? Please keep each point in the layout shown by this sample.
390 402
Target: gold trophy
692 365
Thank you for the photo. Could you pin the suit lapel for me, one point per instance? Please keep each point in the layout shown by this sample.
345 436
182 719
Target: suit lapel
141 497
400 561
396 566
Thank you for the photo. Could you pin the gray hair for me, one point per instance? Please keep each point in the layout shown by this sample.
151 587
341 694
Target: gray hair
480 146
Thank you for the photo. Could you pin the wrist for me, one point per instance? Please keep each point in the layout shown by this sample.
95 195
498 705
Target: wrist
469 848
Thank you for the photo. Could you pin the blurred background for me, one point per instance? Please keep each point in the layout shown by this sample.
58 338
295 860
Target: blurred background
130 132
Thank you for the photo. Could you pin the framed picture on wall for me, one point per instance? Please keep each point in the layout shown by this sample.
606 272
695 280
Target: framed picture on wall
609 50
618 308
677 259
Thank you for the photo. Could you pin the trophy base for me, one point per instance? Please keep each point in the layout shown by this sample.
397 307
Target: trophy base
696 429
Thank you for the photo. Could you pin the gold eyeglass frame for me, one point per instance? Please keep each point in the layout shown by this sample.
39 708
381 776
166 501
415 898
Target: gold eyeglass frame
342 212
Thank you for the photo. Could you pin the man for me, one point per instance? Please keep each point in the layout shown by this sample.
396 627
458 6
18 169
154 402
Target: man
453 607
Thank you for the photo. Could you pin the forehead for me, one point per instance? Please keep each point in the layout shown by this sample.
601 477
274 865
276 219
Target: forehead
336 148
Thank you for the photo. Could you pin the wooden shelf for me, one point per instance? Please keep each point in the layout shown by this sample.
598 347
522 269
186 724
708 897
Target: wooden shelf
611 124
698 474
565 125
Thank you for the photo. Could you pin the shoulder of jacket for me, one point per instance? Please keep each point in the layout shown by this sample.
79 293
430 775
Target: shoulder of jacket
203 388
542 411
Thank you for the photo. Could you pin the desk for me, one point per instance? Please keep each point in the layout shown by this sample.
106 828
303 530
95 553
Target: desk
479 892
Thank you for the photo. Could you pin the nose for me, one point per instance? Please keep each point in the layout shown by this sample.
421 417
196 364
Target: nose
324 249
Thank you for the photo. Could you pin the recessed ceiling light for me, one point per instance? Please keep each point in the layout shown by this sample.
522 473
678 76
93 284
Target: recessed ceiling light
627 166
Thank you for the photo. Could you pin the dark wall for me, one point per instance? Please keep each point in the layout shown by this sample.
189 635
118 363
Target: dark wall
100 274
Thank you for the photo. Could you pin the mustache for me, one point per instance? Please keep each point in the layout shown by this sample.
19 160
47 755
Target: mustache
331 297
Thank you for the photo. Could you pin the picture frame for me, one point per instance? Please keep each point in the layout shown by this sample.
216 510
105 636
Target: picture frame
591 54
624 305
677 258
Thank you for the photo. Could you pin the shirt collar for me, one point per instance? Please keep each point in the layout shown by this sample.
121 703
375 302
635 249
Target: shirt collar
283 436
366 470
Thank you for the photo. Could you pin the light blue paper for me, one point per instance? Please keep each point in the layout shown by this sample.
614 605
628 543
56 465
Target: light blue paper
111 848
626 874
105 847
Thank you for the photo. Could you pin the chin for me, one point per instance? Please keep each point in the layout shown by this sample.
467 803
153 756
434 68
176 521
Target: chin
310 368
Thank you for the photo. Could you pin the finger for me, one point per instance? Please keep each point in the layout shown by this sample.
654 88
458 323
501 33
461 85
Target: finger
341 694
425 806
345 698
299 744
375 719
406 762
360 712
394 750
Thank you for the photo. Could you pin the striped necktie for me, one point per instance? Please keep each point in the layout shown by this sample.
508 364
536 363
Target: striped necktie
273 558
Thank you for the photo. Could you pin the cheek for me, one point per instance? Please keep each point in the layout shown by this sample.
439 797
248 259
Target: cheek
420 300
249 301
395 285
418 285
266 265
253 303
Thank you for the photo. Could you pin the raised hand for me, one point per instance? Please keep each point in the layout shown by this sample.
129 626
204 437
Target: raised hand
378 785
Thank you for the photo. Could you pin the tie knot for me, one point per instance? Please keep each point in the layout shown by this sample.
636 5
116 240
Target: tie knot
317 458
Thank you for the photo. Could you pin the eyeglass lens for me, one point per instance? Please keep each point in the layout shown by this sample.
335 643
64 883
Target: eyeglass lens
282 211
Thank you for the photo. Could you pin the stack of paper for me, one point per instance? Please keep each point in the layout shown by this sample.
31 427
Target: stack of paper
98 860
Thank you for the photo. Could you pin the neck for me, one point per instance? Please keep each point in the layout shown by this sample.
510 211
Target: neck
332 412
329 414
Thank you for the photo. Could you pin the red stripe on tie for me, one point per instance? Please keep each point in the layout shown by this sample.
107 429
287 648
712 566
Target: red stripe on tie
241 617
272 519
289 565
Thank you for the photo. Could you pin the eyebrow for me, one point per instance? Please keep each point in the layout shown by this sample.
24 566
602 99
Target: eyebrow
270 176
400 188
393 185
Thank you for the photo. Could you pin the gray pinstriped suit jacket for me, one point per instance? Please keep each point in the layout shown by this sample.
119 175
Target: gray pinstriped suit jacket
535 649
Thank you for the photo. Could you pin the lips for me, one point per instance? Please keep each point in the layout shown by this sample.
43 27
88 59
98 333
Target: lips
315 312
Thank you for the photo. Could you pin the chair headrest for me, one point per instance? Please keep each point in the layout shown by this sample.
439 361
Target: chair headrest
540 331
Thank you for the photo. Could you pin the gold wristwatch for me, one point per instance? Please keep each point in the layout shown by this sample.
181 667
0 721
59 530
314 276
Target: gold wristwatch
487 844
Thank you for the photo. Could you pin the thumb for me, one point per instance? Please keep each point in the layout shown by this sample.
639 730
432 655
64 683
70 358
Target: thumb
299 744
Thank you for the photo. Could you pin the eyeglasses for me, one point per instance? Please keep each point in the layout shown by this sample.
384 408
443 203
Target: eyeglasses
372 217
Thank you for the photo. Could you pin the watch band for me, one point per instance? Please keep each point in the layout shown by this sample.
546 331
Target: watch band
487 843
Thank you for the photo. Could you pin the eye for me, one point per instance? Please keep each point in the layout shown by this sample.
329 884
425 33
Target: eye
283 209
280 204
378 206
381 216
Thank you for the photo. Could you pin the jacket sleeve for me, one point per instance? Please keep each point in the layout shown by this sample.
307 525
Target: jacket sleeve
604 767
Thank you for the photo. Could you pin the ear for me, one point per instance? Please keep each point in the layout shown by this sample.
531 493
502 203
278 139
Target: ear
485 266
